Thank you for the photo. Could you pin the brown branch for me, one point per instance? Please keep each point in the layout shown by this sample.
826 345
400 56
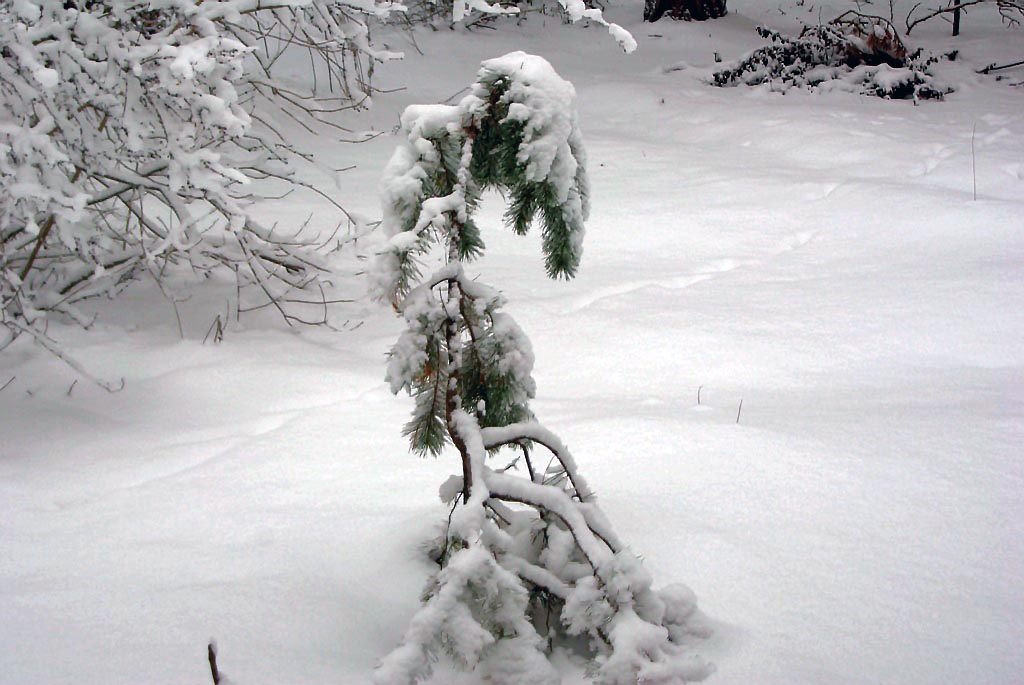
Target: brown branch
48 224
516 441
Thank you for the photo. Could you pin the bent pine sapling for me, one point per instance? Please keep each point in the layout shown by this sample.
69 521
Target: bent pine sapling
529 559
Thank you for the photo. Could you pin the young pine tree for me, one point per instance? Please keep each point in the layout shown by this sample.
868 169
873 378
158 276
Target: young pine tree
528 558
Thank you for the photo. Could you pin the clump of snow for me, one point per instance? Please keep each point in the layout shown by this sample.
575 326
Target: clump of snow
551 152
544 102
577 10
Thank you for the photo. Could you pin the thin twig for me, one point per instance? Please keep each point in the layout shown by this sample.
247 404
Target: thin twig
54 349
177 316
974 161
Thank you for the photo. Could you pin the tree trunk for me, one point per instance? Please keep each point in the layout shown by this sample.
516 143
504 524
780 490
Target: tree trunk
698 10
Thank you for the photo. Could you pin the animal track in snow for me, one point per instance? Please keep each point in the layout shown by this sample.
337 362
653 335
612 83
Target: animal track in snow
828 188
795 241
721 266
937 155
710 270
1015 170
675 283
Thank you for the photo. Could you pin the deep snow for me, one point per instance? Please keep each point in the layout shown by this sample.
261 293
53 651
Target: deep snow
820 258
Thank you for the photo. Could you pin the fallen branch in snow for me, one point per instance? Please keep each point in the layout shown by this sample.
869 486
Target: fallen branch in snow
994 67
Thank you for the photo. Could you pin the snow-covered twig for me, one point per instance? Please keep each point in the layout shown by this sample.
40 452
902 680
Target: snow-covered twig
131 138
53 348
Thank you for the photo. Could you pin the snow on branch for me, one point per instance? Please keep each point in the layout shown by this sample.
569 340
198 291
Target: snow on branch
1010 10
133 135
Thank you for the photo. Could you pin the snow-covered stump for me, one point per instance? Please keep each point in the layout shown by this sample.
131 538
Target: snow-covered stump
529 558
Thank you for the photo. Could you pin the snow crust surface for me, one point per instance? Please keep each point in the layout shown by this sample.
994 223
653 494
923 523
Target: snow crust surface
820 258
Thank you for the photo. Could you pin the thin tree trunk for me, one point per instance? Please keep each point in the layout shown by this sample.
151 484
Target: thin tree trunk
453 343
452 334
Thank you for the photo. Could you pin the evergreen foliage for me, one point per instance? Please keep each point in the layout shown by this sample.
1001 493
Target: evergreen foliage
528 559
855 53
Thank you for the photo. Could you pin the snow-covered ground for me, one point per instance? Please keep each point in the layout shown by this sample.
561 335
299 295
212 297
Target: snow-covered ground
820 258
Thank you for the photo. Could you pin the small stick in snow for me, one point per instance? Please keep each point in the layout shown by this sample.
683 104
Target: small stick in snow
739 411
177 315
211 654
698 394
217 328
974 161
4 386
453 96
72 386
996 67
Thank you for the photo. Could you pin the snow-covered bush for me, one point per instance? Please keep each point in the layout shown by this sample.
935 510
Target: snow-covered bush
528 559
854 53
472 12
129 140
